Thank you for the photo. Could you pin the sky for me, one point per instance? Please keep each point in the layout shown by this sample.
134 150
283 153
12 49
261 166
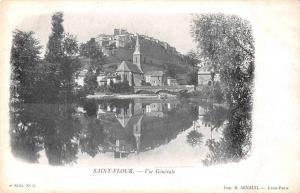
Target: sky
173 28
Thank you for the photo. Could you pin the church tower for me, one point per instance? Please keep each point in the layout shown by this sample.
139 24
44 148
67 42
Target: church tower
137 56
137 127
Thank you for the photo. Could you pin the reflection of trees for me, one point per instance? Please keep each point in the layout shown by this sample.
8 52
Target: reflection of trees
50 125
25 135
93 137
90 107
61 136
236 140
215 116
194 138
161 130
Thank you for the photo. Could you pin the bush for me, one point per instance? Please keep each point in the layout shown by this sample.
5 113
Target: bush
121 87
192 78
218 93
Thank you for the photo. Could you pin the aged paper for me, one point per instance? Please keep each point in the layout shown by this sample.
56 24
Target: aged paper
154 143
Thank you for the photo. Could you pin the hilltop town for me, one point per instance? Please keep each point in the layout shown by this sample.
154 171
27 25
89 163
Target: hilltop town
140 60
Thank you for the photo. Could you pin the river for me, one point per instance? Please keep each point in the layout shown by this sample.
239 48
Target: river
103 132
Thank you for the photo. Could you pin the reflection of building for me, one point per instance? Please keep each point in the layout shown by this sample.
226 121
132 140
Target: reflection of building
156 109
201 113
122 148
124 115
205 126
171 106
133 124
133 127
137 127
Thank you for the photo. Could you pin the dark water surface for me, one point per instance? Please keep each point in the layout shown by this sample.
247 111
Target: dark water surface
137 130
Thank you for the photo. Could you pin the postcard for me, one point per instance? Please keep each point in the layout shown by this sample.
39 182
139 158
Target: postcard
137 96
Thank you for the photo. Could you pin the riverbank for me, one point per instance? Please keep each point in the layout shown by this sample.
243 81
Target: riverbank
123 96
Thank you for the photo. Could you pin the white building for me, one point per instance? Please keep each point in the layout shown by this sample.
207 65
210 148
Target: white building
79 79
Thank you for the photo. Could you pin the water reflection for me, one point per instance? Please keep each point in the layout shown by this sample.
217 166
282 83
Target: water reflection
121 129
137 126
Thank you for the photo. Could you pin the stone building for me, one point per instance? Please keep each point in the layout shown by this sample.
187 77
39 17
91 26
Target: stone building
204 78
131 73
171 81
155 78
79 78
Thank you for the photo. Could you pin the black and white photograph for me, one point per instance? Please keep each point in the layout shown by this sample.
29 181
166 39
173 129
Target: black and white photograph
142 94
132 96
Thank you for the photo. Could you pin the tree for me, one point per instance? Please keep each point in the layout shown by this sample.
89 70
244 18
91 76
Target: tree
227 42
171 71
90 81
93 140
92 50
62 56
70 45
69 66
193 58
25 55
192 78
54 50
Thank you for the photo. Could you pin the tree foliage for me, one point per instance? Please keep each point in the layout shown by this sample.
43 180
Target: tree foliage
227 42
90 81
50 80
25 55
54 50
193 58
61 53
92 50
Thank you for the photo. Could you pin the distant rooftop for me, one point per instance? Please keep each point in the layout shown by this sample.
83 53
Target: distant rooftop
127 66
155 73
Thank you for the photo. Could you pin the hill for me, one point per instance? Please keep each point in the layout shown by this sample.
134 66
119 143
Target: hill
157 55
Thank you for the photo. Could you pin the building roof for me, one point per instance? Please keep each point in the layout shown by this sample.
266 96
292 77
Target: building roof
123 121
170 78
126 66
204 72
155 73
